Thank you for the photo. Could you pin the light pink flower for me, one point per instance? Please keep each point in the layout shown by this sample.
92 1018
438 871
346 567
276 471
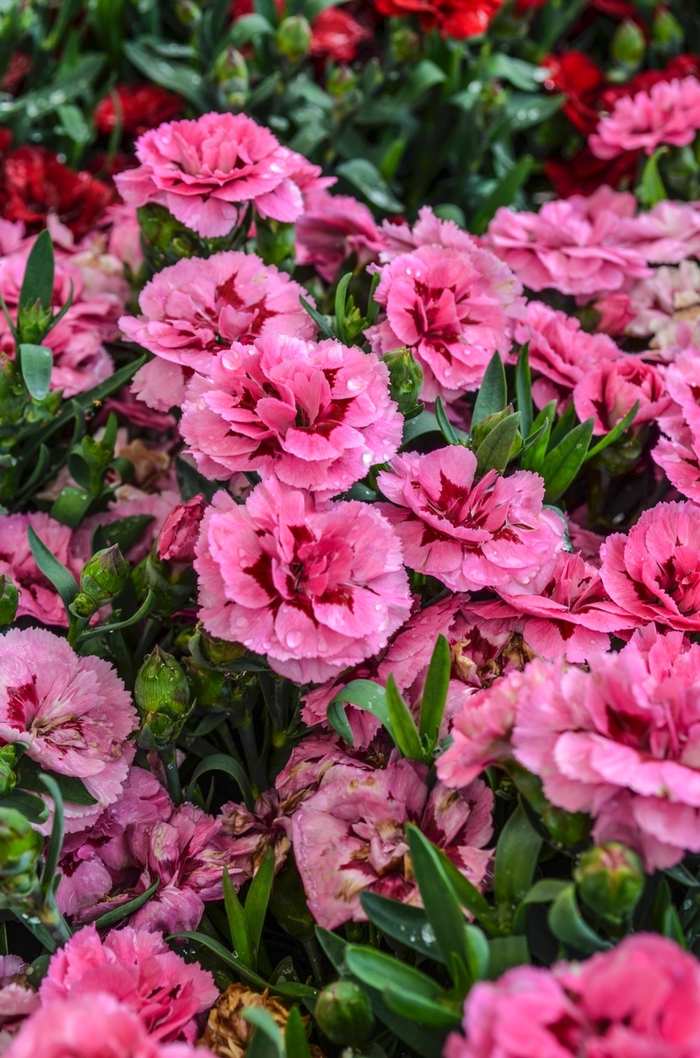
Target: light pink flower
72 713
315 587
668 113
316 414
430 230
37 596
197 307
349 836
642 998
667 307
653 573
17 999
92 1026
620 741
206 171
609 391
468 534
668 233
678 452
331 229
160 384
573 245
561 353
308 763
139 970
125 236
452 308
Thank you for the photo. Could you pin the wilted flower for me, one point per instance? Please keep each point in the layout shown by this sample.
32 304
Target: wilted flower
228 1032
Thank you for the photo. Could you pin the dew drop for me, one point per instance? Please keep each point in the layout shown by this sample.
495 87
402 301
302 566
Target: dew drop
367 458
293 639
427 933
354 384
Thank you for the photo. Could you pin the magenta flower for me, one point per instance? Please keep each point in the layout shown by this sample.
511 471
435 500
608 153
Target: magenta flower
575 245
73 714
653 573
37 596
349 836
450 308
678 452
609 391
139 970
468 534
641 998
308 763
668 113
317 415
205 172
179 533
316 587
331 229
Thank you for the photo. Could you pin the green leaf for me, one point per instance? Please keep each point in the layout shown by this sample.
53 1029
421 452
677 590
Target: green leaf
404 923
283 988
175 76
680 873
664 916
564 462
505 953
125 532
534 453
404 726
446 428
434 698
224 763
616 432
130 908
465 891
502 195
517 853
379 970
267 9
73 123
365 176
523 390
266 1026
368 696
424 76
495 450
439 900
340 301
237 925
568 925
257 899
337 718
334 947
71 505
114 626
422 1010
320 321
493 392
650 190
53 849
37 284
523 110
62 579
191 483
34 808
296 1044
545 891
520 74
248 27
30 776
36 362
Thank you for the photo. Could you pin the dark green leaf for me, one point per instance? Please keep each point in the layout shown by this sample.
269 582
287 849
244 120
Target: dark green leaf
320 321
369 696
564 462
248 28
505 953
425 1011
650 190
568 925
379 970
369 181
524 110
402 722
446 428
564 425
296 1044
283 988
224 763
125 532
334 947
257 899
191 483
267 9
240 938
37 284
266 1026
30 776
495 450
36 362
424 76
341 294
62 579
422 424
404 923
434 697
523 75
545 891
439 900
465 891
114 626
502 195
517 853
534 453
33 808
53 849
493 392
616 432
680 873
337 718
175 76
125 910
523 390
71 505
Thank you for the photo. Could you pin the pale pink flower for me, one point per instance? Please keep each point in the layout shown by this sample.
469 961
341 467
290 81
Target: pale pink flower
668 113
72 713
125 236
17 999
667 307
333 228
609 391
308 763
620 741
205 172
470 534
318 415
585 542
641 998
350 837
197 307
653 573
561 353
573 245
678 452
452 308
316 588
92 1026
139 970
430 230
37 596
668 233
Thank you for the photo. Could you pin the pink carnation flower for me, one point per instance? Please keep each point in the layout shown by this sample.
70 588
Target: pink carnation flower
37 596
178 536
125 236
668 113
251 834
667 307
620 741
574 245
608 392
315 587
205 172
73 714
641 998
308 763
17 999
678 452
139 970
197 307
92 1026
349 836
430 230
667 233
318 415
653 573
331 229
450 307
561 353
468 534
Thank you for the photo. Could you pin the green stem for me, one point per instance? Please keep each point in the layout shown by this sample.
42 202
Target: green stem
313 954
168 759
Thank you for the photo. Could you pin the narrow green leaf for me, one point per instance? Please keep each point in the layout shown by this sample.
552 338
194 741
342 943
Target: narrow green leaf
445 426
320 321
435 690
563 425
30 806
493 392
296 1044
439 900
502 195
404 923
564 462
534 452
465 891
125 532
680 873
130 908
257 899
422 1010
523 390
650 190
267 9
495 450
175 76
240 938
283 988
403 725
36 362
224 763
53 849
545 891
517 853
616 432
477 953
62 579
334 947
379 970
37 284
568 925
369 696
265 1024
340 302
365 176
337 718
71 505
505 953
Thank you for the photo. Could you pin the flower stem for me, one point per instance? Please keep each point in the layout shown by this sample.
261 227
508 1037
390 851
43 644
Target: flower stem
168 759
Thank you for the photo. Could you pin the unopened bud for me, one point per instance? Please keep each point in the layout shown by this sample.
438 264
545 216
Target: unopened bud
20 849
172 587
405 44
481 430
9 600
666 30
102 579
628 44
8 778
162 696
405 379
610 880
178 536
568 829
293 37
188 13
340 80
32 322
219 651
344 1013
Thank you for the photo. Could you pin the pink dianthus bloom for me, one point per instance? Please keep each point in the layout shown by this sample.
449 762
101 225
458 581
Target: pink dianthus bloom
17 999
205 172
72 713
37 596
318 415
450 307
468 534
678 452
92 1026
668 233
350 836
620 741
667 307
574 245
251 833
653 573
177 539
609 391
640 998
139 970
331 229
199 306
561 353
315 587
668 113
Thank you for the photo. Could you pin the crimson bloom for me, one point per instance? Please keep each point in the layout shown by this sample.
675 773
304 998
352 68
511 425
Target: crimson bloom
137 108
453 18
336 35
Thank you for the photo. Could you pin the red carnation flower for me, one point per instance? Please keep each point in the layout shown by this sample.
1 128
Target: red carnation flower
584 173
337 35
454 18
17 69
137 108
581 80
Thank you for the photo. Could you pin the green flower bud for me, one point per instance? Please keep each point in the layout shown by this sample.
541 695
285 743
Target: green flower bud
344 1013
101 579
293 37
232 77
405 44
9 598
219 651
8 779
165 241
628 44
340 81
33 321
161 687
405 379
20 849
188 13
568 829
666 30
610 880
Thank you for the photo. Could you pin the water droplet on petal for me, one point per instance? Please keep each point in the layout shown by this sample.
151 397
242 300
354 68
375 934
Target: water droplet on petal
354 384
293 639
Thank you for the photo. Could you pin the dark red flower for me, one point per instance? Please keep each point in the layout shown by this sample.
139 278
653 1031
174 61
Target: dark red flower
5 139
137 108
337 35
454 18
583 173
581 80
17 69
616 8
33 183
